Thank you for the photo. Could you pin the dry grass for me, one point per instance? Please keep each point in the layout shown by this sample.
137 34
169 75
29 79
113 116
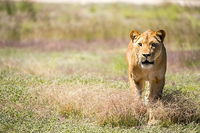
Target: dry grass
117 108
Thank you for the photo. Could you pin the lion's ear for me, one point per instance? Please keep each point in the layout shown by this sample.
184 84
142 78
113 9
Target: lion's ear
134 34
161 34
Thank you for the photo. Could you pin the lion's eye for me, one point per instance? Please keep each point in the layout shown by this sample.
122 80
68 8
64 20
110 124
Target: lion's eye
154 45
140 44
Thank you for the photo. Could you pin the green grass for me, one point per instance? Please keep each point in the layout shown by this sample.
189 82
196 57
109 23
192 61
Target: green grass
35 85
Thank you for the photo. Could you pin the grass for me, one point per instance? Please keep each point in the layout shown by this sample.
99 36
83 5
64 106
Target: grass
24 21
79 91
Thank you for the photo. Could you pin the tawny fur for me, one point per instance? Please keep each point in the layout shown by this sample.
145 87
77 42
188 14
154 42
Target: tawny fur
149 42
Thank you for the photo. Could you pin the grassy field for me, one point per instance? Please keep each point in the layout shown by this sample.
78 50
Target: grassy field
87 91
63 68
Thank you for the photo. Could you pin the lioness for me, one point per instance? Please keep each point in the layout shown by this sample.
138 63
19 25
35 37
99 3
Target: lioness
147 59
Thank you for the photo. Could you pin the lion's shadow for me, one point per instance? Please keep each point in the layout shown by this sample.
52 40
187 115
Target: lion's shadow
181 107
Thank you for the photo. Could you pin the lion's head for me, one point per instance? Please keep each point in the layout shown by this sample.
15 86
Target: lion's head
148 45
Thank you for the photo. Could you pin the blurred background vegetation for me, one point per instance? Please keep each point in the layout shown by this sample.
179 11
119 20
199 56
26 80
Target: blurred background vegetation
25 21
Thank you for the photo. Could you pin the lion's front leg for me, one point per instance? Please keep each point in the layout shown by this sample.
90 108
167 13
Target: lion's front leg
136 87
156 88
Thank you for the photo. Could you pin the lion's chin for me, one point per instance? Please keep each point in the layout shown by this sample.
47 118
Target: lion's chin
145 66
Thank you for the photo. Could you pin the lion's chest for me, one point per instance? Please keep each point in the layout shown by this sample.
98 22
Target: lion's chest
146 75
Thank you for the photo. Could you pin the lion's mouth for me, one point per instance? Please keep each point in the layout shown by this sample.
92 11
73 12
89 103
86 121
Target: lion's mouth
146 62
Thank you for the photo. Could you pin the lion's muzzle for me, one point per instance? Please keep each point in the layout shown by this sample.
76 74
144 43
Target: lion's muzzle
146 61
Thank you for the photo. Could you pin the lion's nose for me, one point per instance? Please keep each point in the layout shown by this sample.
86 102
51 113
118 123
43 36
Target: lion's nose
146 55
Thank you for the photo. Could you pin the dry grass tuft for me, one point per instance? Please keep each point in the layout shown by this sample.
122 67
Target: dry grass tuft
117 108
120 109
